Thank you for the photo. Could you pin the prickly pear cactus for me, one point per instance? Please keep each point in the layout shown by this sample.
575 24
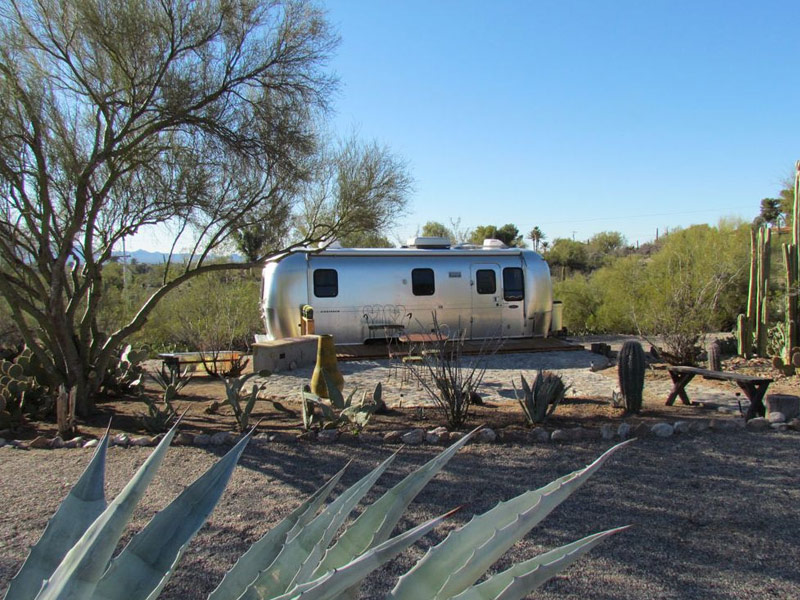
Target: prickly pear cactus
631 366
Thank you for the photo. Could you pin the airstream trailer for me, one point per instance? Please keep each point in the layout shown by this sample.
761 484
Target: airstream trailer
362 294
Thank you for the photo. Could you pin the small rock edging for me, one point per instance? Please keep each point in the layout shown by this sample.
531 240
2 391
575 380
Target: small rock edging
774 422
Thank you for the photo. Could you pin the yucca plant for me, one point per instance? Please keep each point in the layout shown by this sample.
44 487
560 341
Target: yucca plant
295 559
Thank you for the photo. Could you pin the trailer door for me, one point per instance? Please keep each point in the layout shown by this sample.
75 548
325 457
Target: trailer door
514 302
486 319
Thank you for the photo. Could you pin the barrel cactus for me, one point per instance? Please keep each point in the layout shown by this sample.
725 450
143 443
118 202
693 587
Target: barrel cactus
631 365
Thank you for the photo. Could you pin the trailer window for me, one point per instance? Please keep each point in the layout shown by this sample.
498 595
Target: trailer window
485 281
513 284
422 283
326 283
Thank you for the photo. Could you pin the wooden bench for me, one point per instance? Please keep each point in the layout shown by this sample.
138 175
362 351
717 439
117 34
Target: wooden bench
753 387
177 360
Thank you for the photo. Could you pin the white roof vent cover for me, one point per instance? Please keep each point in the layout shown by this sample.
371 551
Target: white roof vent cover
491 243
428 242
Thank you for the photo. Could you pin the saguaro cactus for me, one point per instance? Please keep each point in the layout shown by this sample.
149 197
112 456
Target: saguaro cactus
791 260
762 290
630 367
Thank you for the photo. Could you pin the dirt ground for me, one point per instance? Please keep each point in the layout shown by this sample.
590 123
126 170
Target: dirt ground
713 514
203 402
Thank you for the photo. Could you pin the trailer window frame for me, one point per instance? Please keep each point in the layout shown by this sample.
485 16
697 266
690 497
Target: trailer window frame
423 282
513 284
485 281
326 288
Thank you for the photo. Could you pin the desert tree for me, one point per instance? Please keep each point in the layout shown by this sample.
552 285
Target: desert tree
204 116
536 236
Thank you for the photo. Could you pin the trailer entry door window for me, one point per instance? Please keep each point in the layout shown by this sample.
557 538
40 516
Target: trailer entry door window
422 282
485 281
326 283
513 284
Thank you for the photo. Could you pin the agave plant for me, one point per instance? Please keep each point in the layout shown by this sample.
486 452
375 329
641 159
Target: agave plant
295 559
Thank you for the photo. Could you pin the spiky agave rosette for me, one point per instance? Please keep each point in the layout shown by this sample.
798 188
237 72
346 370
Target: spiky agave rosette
298 558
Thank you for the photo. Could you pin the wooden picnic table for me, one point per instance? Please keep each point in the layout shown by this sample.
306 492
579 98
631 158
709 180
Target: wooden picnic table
754 387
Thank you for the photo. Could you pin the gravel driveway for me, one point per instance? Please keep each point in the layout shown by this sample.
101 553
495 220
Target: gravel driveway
708 521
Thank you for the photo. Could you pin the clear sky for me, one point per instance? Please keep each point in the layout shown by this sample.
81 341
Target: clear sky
576 116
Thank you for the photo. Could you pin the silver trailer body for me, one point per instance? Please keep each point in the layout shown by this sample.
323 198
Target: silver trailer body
363 294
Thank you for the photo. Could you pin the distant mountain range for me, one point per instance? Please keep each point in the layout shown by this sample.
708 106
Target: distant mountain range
155 258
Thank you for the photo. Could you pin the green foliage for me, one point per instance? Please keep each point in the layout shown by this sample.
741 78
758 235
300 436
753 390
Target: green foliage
540 399
125 371
171 380
340 411
630 367
218 311
568 254
73 558
536 236
159 415
233 396
436 229
692 281
508 234
25 389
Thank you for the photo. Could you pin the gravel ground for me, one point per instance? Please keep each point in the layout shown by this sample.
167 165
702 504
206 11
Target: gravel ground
714 515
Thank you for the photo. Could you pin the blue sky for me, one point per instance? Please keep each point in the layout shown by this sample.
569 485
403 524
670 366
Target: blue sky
575 116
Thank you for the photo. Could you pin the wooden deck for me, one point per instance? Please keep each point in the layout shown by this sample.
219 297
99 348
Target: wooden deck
380 349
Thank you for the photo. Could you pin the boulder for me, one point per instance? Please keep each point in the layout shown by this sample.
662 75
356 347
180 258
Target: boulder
413 437
757 424
538 435
776 417
486 436
183 439
202 440
662 430
607 431
393 437
784 403
623 431
91 444
57 443
779 426
794 424
680 427
39 443
328 436
642 430
222 438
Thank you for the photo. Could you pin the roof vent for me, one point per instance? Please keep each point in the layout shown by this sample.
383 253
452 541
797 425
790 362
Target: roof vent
491 243
428 243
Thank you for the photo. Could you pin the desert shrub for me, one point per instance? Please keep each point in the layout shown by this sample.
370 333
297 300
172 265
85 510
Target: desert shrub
451 379
218 311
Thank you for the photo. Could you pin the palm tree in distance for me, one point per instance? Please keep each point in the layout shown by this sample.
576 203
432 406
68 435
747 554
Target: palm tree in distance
536 236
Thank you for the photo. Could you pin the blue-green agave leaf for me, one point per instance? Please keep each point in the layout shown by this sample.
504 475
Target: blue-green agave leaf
334 395
302 552
264 551
524 577
144 563
376 523
464 556
331 585
77 576
84 503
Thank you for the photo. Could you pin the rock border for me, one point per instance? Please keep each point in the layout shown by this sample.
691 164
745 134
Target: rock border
774 421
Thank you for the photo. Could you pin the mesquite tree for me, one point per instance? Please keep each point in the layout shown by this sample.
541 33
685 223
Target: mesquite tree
204 115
